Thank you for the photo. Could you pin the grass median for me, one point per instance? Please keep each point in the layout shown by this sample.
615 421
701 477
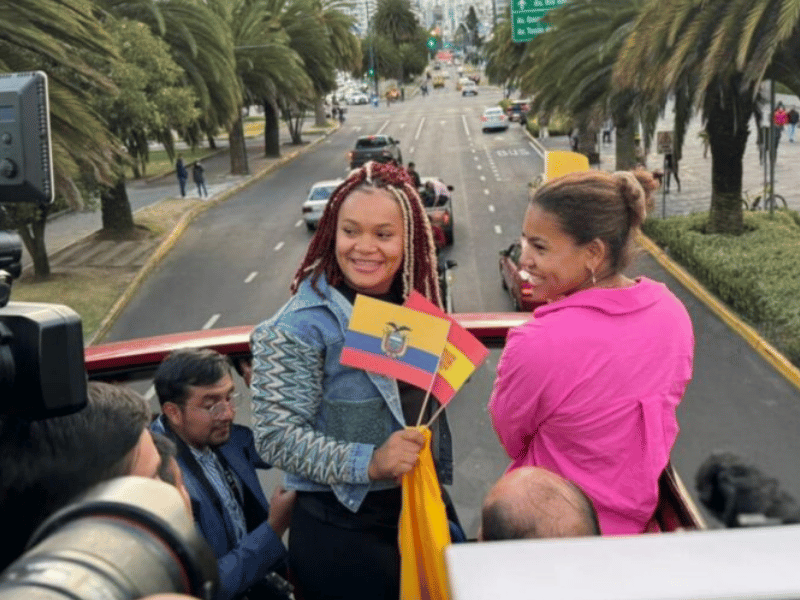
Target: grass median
92 289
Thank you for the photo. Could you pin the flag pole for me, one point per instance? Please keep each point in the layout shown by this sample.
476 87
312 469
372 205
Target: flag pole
428 394
435 415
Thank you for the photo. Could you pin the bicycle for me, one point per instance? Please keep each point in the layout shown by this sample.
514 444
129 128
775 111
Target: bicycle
776 201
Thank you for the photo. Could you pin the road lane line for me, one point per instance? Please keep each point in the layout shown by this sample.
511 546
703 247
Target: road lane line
486 192
483 178
150 393
250 277
384 126
278 246
466 129
411 150
491 208
478 167
299 223
419 129
498 230
210 323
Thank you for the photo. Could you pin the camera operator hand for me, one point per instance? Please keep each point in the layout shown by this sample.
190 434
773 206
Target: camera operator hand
280 509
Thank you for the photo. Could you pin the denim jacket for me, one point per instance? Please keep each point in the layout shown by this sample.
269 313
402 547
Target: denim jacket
315 418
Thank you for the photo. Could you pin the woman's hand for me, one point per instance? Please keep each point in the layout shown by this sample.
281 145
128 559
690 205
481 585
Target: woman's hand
397 456
280 509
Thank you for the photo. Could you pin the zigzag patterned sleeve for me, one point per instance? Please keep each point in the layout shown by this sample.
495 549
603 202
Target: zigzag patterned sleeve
287 391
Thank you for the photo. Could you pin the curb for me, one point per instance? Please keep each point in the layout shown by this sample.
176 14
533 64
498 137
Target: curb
172 238
750 335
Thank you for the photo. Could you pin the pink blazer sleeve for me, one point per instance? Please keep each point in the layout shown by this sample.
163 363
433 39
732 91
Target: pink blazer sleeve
519 400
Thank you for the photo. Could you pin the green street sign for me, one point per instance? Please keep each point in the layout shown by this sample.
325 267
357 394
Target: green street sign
432 43
526 18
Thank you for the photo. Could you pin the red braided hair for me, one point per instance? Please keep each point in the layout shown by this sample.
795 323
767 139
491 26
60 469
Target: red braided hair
419 251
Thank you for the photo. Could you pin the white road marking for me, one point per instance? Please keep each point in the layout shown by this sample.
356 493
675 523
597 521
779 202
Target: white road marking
278 246
483 177
466 129
411 150
442 122
419 129
486 192
402 125
210 323
299 223
252 276
384 126
150 393
478 167
474 158
498 230
491 208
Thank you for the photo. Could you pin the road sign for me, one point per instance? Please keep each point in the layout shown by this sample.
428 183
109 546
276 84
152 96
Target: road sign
526 18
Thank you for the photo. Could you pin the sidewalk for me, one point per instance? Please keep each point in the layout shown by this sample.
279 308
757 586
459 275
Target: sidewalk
69 227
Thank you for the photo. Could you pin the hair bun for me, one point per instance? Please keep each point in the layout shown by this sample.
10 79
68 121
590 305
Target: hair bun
636 189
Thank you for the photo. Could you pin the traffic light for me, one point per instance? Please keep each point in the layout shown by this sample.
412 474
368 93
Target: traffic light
431 43
371 73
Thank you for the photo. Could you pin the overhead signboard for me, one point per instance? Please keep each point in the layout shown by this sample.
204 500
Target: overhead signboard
527 18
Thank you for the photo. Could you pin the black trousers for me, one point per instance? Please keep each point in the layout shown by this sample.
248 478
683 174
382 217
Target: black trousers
335 554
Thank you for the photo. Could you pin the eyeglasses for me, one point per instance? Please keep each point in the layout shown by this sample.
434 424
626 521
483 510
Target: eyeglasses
219 409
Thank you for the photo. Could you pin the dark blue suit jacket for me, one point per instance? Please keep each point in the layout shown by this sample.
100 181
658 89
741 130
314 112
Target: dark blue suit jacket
261 551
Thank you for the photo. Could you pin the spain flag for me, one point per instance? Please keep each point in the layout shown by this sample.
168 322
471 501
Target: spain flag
462 354
394 340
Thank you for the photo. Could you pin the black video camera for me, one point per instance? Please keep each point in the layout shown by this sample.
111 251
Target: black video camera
41 345
128 537
125 538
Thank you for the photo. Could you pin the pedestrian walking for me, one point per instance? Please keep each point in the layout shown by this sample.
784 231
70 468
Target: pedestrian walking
182 173
794 117
779 119
607 129
198 174
670 171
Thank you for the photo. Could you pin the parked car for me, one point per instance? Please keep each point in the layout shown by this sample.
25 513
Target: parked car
440 210
317 200
461 82
494 118
469 89
381 148
514 279
517 109
438 82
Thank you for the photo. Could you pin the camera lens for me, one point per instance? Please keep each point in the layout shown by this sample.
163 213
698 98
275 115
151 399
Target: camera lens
127 538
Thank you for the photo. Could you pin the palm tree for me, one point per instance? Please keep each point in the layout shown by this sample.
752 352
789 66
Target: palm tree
57 36
395 20
717 51
570 69
503 55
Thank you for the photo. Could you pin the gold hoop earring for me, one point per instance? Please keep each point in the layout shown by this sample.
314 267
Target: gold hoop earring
594 279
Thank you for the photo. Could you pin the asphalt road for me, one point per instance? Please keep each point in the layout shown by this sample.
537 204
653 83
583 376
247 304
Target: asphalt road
234 264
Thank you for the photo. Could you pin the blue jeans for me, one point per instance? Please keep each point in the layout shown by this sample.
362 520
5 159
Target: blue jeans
182 184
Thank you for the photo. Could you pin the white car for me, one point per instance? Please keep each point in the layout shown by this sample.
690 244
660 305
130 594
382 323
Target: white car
358 98
468 88
317 200
494 118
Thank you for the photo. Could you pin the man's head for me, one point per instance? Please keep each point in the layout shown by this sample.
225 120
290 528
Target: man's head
411 166
197 396
46 463
531 502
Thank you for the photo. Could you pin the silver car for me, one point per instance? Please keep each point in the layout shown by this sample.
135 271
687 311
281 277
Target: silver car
494 118
317 200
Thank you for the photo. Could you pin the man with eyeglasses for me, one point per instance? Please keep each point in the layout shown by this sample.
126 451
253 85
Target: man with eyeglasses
218 460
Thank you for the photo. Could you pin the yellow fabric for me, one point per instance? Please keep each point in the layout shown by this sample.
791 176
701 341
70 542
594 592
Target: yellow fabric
561 162
424 532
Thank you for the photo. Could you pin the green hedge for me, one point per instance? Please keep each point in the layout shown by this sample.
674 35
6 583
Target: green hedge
756 274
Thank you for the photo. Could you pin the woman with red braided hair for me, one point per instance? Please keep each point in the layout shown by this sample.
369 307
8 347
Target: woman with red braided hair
339 432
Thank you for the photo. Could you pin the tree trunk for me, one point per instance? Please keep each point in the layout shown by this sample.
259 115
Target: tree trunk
116 209
626 143
238 148
587 140
272 140
32 235
727 129
319 113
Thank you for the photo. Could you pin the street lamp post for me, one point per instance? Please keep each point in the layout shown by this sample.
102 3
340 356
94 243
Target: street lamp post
370 32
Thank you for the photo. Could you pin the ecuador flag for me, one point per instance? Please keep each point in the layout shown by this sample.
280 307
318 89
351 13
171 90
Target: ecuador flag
463 353
394 340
